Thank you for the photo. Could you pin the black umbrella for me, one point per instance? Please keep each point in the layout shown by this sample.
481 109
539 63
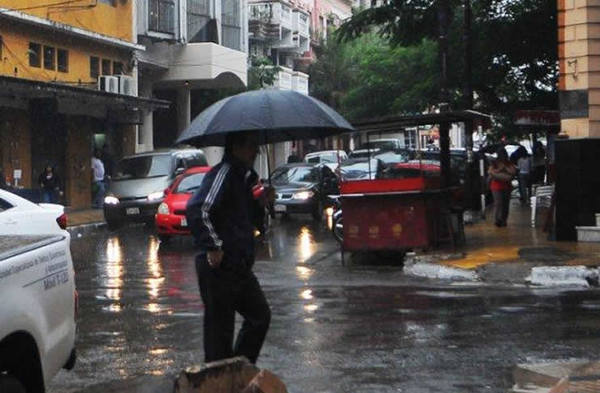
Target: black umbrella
275 115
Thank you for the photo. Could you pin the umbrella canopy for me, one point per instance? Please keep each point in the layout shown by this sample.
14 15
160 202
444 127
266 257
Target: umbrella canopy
275 115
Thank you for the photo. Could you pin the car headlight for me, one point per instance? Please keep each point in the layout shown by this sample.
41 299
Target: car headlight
156 195
303 195
163 208
111 200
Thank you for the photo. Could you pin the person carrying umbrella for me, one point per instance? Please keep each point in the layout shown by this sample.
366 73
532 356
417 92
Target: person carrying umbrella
220 214
222 210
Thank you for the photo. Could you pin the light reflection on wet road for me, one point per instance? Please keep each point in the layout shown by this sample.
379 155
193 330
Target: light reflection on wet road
364 328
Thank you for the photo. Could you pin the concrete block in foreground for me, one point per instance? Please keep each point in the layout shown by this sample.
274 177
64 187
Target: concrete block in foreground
265 382
224 376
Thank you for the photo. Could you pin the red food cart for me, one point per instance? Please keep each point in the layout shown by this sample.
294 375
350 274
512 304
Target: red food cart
416 211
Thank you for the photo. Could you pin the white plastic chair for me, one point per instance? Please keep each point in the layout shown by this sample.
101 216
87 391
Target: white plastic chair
542 197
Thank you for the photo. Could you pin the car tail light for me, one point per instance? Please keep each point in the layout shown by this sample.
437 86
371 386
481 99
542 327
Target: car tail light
62 221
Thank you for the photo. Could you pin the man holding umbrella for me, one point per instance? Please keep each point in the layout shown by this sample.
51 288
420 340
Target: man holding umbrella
220 215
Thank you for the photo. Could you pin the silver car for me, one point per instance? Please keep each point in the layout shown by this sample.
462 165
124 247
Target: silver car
139 181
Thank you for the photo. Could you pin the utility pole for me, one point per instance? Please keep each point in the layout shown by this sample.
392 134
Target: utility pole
468 104
443 13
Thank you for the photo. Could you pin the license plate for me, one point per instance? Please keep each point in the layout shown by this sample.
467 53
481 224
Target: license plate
132 211
184 222
280 208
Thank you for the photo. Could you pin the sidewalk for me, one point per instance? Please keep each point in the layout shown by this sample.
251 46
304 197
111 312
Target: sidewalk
85 221
513 253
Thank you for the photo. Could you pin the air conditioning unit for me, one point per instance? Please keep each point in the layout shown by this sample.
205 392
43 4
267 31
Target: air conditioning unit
127 85
109 84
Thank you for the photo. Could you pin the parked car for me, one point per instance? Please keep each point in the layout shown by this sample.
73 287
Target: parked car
303 188
38 310
18 216
383 144
170 218
331 158
361 169
394 157
139 182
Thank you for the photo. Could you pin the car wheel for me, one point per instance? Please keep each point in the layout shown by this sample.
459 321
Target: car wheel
338 228
318 212
164 238
10 384
113 225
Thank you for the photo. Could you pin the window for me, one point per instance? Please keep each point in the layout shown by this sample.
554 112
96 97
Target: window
110 2
49 58
5 205
106 67
118 68
161 16
231 24
94 67
62 60
35 55
198 16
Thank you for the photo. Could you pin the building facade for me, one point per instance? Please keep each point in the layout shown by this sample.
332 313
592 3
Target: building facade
191 46
579 62
67 86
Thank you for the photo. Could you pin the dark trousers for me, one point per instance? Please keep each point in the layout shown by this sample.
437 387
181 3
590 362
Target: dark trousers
501 205
524 187
225 291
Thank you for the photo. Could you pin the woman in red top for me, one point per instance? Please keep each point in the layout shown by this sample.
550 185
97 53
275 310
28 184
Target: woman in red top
501 172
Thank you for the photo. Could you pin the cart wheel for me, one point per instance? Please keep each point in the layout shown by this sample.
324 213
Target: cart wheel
338 229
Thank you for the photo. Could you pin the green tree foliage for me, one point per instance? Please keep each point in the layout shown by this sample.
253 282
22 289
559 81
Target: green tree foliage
368 77
391 79
514 48
261 73
333 73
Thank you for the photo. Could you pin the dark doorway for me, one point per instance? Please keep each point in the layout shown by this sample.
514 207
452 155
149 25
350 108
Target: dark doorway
48 138
165 120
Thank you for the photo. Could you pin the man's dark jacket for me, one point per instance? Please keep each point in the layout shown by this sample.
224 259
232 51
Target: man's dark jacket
221 212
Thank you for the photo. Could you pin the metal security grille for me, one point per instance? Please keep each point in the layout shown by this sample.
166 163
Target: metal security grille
161 16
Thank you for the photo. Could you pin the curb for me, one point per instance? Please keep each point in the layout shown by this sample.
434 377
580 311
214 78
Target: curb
535 276
78 231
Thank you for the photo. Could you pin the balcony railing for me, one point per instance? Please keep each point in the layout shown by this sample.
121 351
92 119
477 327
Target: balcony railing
161 16
303 24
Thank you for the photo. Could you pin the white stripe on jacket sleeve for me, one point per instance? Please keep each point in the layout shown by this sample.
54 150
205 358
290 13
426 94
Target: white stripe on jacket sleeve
208 202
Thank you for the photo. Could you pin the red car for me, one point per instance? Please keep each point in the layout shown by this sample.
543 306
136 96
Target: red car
170 218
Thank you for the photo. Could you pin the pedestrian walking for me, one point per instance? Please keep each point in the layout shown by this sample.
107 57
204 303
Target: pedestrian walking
220 215
501 173
524 165
50 185
98 180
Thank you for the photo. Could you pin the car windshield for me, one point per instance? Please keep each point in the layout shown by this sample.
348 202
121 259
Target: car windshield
358 171
295 174
391 157
143 167
190 183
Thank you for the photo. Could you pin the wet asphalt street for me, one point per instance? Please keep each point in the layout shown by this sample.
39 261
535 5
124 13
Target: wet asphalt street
360 328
